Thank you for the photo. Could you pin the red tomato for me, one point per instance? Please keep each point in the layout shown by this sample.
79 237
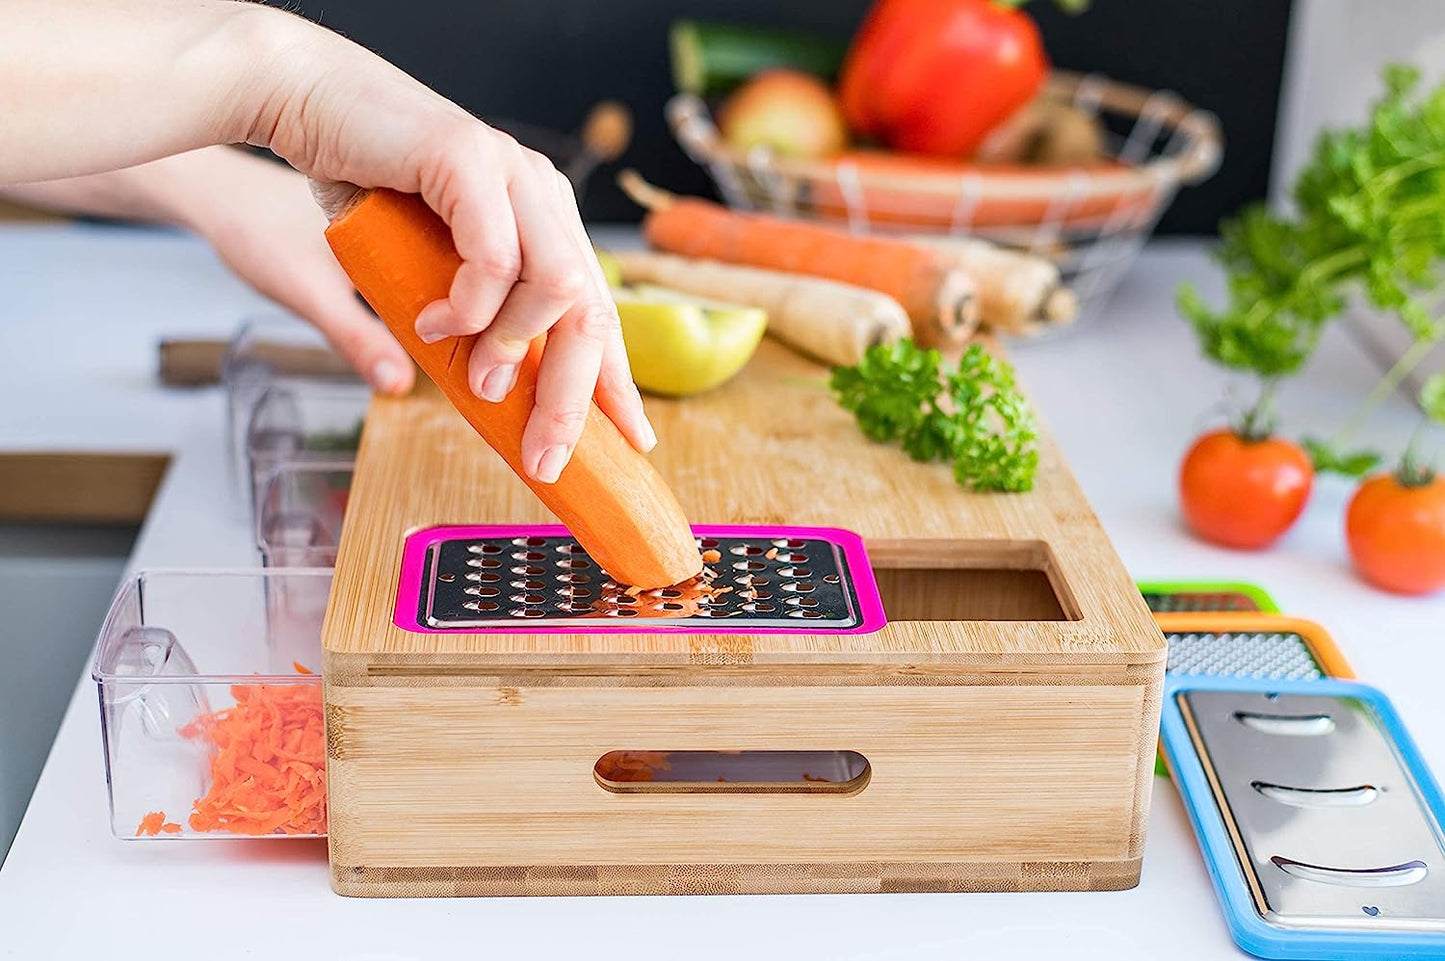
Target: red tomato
1397 534
1243 493
936 76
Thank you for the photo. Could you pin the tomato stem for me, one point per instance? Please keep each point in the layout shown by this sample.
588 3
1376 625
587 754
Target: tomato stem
1411 472
1258 422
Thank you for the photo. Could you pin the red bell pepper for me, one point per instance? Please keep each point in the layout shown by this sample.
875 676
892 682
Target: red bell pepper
936 76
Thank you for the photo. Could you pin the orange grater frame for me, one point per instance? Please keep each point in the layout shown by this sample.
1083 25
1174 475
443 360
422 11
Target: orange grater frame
1316 638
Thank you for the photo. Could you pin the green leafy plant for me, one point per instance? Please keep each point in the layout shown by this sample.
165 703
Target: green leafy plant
1369 219
973 416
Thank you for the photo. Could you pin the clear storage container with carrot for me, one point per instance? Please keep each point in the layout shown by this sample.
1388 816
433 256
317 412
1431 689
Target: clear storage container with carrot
211 719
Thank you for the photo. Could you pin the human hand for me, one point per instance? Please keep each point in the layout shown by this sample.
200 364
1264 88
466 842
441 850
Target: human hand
528 267
144 79
259 218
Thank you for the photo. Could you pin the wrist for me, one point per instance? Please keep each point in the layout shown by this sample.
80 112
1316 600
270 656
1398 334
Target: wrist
270 58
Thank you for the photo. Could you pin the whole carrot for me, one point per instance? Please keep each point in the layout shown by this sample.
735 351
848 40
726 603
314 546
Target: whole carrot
400 256
940 300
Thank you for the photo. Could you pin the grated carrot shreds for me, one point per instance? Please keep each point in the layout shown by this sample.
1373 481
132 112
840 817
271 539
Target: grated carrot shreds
268 769
150 825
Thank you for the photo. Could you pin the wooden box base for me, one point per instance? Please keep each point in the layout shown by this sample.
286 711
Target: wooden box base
1008 711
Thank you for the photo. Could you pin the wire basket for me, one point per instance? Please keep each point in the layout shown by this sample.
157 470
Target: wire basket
1090 221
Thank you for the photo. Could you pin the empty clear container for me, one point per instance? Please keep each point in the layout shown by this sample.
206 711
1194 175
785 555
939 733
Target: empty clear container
211 725
287 393
298 523
302 423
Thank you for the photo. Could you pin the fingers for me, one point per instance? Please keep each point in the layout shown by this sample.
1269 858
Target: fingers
618 398
554 280
616 394
528 269
361 339
471 194
565 381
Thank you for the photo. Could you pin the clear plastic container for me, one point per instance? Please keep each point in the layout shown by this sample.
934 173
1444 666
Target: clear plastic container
298 523
297 423
287 393
202 684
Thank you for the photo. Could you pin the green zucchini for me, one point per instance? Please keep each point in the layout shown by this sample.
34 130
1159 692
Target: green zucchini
710 59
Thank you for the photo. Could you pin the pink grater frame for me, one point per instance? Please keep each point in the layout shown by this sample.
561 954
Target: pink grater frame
860 575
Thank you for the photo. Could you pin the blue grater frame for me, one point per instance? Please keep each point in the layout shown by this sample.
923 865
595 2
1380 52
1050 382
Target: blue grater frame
1250 931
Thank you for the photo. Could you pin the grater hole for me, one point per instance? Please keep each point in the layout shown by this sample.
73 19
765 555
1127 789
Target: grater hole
622 612
791 542
529 585
799 587
796 572
759 607
573 592
527 612
486 563
707 542
830 578
805 613
746 550
750 566
626 599
671 606
801 602
480 606
485 577
529 570
668 592
481 591
574 578
568 548
528 541
792 558
528 556
447 577
575 563
484 549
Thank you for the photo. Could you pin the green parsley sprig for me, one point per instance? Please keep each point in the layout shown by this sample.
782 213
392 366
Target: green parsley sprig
973 416
1369 217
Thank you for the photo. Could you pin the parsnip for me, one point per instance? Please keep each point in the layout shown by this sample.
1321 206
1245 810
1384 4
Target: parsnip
1018 293
829 321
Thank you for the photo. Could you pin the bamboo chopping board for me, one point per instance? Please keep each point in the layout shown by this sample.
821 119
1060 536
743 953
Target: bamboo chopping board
769 448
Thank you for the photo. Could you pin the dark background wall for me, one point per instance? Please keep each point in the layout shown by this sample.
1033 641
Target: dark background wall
547 61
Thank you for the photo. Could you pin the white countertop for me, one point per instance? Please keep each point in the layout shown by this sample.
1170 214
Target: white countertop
1123 396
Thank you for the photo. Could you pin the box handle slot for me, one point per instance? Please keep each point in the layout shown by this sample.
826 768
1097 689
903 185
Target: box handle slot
732 772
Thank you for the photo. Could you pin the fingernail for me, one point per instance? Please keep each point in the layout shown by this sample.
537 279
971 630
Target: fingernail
549 466
387 375
649 436
498 383
431 336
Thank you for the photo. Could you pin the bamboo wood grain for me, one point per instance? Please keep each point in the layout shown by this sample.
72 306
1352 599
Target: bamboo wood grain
1004 754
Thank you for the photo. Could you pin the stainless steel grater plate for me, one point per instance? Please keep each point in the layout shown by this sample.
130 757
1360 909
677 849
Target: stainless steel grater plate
757 581
1172 602
1326 818
1278 655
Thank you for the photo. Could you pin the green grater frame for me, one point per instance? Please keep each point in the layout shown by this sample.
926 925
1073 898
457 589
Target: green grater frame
1312 637
1204 596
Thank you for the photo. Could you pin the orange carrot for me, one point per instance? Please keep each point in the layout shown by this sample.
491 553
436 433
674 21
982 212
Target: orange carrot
940 301
400 256
150 825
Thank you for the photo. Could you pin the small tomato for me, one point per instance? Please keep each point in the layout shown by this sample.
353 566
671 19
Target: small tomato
1243 493
1396 534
